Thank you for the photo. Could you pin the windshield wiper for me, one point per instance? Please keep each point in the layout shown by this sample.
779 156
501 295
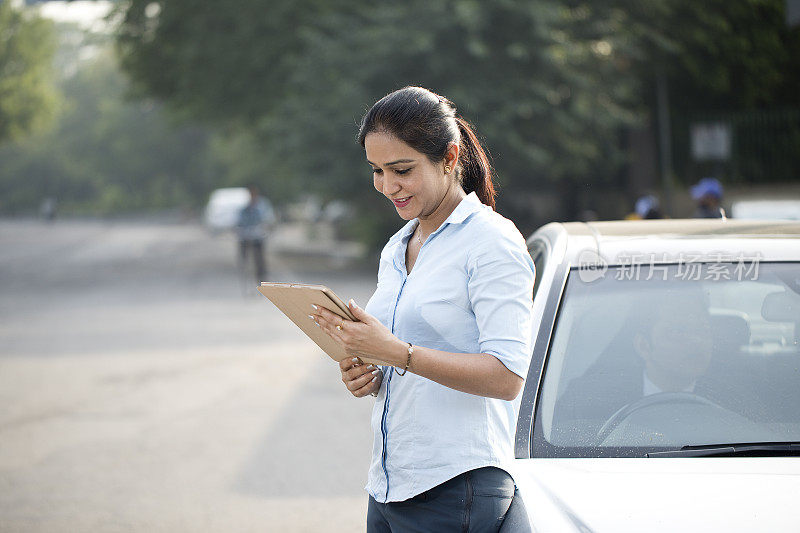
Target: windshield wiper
745 449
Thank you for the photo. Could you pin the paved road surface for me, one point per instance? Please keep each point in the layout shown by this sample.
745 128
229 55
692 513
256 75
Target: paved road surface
140 390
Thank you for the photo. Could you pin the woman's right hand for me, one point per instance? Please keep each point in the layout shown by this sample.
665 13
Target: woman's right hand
360 379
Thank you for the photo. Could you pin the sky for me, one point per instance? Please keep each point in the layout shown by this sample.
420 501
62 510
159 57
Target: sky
88 14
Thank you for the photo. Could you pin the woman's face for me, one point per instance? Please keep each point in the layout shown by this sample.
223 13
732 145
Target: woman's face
414 184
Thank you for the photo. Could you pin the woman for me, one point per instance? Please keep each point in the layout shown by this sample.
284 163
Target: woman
451 320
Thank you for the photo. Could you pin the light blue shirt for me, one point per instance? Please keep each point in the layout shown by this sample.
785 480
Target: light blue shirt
254 220
470 291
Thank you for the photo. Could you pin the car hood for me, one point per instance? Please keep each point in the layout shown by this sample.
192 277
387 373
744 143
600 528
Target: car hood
664 494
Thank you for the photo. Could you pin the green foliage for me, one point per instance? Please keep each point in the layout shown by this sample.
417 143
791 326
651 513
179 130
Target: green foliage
534 76
719 55
735 62
28 100
535 90
106 154
548 85
235 55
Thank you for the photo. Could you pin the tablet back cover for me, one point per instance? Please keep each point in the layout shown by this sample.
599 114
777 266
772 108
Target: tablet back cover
295 300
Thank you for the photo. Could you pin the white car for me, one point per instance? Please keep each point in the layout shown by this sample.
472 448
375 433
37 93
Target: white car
224 206
664 388
766 209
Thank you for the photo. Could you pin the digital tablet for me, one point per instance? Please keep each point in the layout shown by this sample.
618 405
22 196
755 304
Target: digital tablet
295 299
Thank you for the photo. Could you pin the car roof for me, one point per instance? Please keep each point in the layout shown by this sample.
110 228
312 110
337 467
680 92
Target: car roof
777 240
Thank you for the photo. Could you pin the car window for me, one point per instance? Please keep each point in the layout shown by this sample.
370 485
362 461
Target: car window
668 360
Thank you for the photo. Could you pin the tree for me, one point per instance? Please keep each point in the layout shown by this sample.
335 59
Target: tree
720 55
550 84
28 99
106 154
540 80
223 61
736 62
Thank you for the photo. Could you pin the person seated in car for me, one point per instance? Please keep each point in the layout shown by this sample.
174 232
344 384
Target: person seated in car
666 346
674 344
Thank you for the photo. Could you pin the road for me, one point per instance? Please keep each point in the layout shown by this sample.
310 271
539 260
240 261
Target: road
142 390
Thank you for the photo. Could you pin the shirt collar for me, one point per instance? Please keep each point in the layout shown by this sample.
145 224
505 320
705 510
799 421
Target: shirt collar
648 387
467 206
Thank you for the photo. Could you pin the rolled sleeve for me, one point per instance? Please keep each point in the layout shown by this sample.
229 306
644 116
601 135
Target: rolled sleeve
501 274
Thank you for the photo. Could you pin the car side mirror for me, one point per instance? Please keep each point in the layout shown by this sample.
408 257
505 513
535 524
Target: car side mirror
781 307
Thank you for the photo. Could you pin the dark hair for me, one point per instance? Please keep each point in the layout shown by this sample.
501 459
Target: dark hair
428 123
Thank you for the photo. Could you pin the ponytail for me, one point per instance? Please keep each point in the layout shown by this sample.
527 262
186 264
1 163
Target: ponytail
476 171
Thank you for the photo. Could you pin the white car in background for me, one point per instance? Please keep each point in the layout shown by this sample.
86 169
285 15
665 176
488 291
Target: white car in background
664 389
223 208
766 209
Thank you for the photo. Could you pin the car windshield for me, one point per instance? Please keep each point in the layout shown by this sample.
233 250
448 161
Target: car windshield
643 360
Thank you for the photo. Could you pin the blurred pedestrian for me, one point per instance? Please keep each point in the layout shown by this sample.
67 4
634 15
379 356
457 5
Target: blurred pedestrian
648 207
452 325
707 194
48 209
255 221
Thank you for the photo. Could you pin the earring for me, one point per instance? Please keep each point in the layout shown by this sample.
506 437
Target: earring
447 169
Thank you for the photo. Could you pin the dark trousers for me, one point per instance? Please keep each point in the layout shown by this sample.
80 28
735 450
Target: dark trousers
256 248
480 500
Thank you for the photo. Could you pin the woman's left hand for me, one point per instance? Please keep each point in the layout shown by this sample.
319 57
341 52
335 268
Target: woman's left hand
365 338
